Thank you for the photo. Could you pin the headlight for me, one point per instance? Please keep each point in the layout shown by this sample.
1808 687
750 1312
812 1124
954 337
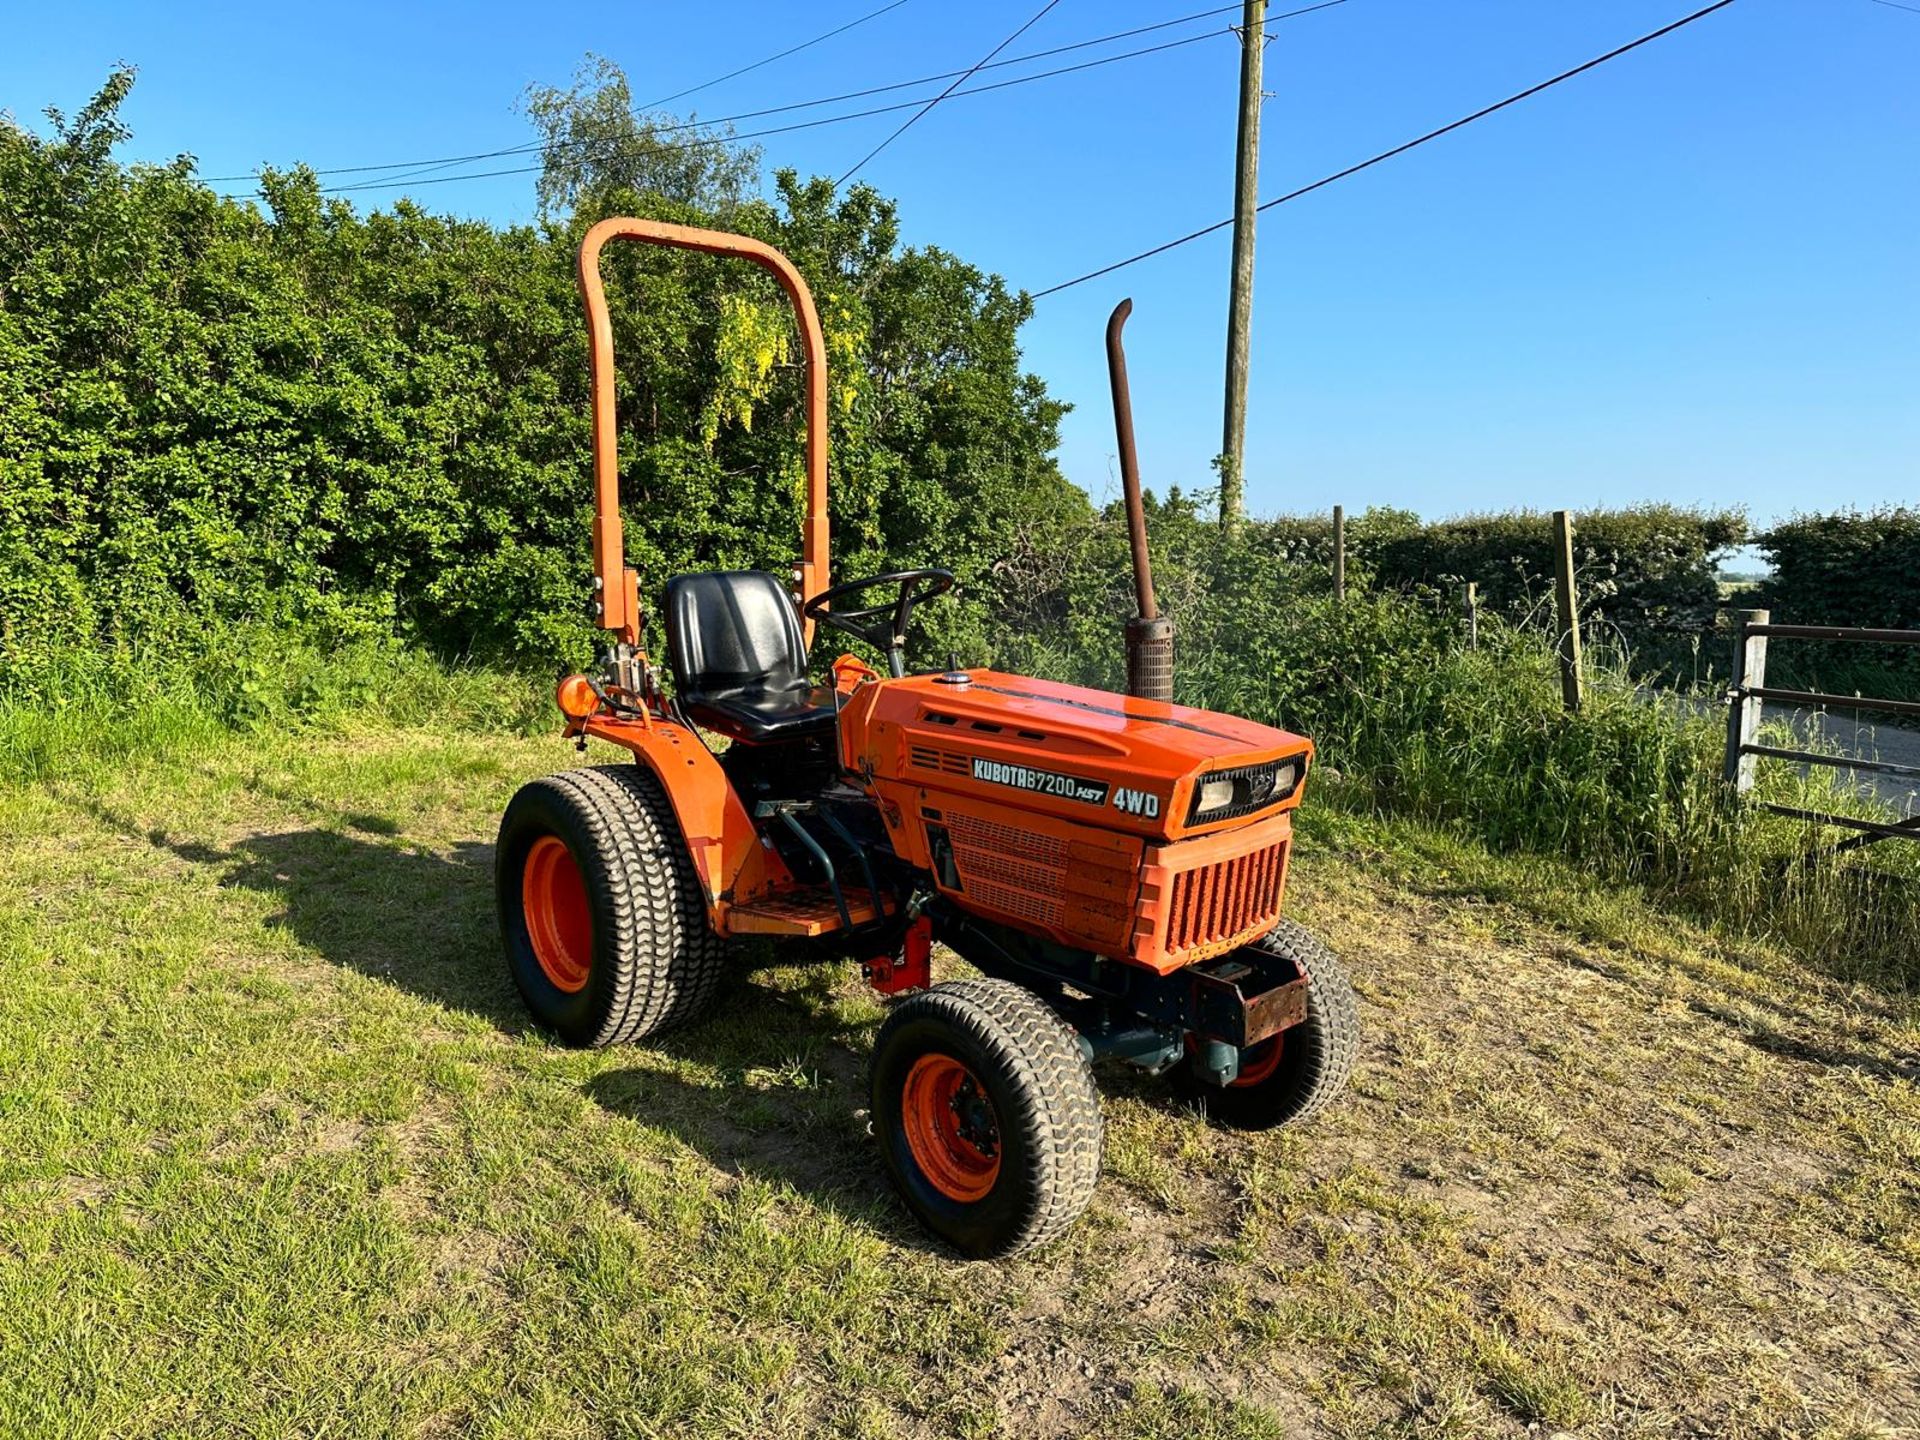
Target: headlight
1214 795
1226 794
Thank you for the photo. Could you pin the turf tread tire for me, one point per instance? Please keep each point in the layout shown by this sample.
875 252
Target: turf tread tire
657 963
1045 1098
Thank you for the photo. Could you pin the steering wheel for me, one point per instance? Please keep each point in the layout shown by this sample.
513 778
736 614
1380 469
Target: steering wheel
882 626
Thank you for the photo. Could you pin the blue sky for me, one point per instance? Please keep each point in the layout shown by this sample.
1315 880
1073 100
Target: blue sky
1690 275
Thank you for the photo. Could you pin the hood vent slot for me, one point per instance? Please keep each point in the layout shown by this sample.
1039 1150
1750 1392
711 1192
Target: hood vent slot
923 757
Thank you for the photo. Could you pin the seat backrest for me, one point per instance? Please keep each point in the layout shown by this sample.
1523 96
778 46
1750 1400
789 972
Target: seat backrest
733 630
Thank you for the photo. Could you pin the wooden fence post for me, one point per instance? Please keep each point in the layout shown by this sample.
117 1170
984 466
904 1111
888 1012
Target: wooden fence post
1744 714
1470 607
1571 680
1339 553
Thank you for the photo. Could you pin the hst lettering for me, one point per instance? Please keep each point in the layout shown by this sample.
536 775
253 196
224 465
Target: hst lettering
1137 802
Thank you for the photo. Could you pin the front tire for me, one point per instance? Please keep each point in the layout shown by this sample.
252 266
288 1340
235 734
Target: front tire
601 912
987 1115
1298 1072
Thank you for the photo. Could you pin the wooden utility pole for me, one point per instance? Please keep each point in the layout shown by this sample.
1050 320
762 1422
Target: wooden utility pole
1246 196
1339 552
1567 606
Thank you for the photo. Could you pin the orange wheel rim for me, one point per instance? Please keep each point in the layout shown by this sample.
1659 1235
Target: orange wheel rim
951 1127
559 924
1258 1063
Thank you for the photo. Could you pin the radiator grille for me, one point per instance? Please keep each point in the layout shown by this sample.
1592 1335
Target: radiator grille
1216 907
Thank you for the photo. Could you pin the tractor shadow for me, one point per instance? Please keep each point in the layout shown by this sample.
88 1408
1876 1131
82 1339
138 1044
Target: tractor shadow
772 1089
360 897
811 1142
424 920
418 919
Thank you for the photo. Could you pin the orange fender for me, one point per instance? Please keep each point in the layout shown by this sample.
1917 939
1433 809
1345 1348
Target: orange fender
733 865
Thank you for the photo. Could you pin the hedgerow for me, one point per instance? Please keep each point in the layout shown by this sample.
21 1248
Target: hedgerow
1851 568
1646 573
214 415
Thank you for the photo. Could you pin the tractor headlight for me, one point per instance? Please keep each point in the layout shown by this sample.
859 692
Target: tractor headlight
1226 794
1214 795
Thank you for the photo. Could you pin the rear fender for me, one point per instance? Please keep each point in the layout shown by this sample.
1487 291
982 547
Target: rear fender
732 863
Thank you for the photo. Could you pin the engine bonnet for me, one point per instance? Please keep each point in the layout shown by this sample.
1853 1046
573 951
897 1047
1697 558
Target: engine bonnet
1082 754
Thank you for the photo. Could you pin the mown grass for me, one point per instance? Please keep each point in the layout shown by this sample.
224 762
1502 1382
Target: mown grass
279 1154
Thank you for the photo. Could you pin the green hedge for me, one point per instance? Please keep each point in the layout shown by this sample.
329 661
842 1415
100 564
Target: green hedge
1846 569
1852 568
1647 574
1649 569
214 416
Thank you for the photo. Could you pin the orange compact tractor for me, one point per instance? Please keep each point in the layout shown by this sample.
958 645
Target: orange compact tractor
1112 866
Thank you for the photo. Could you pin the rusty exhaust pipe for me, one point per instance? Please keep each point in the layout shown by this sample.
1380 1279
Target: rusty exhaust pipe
1149 634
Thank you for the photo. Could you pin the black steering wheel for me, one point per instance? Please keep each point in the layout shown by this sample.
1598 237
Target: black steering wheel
882 626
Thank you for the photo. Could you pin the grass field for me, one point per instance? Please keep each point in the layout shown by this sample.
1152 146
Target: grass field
280 1156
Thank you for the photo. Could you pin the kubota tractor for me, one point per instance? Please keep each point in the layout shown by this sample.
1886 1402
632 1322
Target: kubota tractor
1112 866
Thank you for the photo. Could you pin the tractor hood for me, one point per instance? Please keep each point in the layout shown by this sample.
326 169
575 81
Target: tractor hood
1143 767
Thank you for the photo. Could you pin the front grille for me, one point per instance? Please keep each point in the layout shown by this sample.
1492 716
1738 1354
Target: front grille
1216 907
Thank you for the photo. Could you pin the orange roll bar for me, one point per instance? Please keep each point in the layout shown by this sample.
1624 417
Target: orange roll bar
619 584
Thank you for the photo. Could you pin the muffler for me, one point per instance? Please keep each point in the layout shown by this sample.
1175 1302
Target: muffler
1149 633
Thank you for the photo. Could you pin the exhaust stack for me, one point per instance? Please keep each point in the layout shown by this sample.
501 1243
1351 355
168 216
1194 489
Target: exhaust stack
1149 634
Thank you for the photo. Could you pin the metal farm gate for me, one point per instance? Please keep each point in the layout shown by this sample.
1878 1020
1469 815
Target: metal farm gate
1749 693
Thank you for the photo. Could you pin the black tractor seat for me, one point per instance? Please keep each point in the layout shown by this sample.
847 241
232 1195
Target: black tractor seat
739 659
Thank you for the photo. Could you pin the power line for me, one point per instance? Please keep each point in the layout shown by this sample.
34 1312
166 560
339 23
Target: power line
1390 154
433 166
909 122
793 50
388 183
998 64
1896 5
530 146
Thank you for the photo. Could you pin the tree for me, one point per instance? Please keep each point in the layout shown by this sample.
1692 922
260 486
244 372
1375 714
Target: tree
592 139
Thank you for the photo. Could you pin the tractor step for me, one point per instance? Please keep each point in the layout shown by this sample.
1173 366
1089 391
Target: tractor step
805 910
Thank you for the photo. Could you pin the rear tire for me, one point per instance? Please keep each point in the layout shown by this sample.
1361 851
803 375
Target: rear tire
988 1119
1298 1072
601 912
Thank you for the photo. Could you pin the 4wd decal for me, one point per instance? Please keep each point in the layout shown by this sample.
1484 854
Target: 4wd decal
1143 803
1041 782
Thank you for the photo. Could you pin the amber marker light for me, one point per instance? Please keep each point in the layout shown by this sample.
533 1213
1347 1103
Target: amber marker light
574 695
